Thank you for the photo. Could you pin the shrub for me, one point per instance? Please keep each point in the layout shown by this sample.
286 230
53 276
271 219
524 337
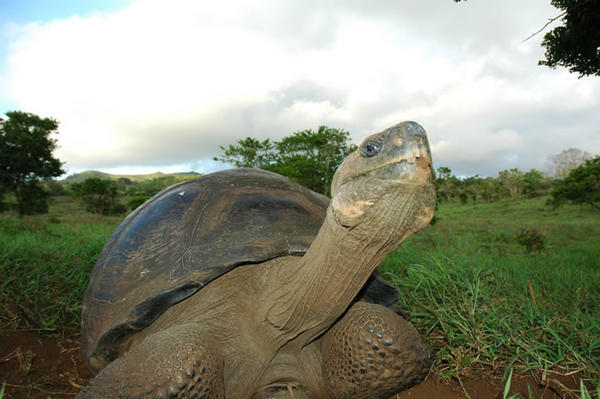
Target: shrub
532 239
136 201
99 196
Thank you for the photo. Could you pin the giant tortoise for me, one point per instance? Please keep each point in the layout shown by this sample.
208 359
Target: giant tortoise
221 287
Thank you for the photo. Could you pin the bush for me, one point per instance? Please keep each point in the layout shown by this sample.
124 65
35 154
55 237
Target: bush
136 201
99 196
32 199
581 186
532 239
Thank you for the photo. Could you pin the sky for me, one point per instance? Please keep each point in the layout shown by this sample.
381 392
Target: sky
140 86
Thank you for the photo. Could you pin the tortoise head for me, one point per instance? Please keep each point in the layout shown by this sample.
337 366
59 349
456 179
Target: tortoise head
384 172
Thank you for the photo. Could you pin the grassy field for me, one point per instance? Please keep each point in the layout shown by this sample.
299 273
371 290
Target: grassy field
486 304
44 265
482 301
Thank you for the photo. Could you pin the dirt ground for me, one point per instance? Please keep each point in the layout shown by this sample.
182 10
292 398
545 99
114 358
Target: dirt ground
43 367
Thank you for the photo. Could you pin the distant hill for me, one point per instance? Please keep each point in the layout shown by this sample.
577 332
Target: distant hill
79 177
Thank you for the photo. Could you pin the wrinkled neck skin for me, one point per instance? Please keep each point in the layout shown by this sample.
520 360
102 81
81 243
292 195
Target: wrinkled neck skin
355 237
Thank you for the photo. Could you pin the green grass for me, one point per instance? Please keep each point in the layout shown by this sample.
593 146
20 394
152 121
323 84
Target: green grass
484 303
480 300
45 264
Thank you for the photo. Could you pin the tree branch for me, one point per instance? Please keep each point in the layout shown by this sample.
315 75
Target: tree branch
547 23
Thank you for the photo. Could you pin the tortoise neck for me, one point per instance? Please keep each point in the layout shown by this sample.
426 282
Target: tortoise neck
332 272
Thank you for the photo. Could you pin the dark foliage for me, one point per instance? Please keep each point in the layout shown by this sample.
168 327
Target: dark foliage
307 157
581 186
511 183
311 158
532 239
54 188
99 196
575 44
148 188
32 198
26 157
248 153
136 201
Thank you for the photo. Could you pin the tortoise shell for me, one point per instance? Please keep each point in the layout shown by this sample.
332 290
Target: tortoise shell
186 236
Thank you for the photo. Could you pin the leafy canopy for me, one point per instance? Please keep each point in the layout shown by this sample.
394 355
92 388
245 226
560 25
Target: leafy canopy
308 157
511 183
581 186
575 44
100 196
26 157
249 153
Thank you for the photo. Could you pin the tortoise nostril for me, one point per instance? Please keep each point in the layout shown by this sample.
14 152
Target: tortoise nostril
414 128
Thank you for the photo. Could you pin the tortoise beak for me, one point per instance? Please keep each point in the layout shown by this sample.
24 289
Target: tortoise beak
407 154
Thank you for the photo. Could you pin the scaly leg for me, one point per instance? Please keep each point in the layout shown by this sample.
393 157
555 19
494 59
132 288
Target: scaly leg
372 353
175 363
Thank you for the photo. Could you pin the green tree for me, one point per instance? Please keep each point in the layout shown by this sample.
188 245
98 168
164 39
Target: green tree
32 199
446 184
54 188
150 187
311 158
581 186
517 184
248 153
490 189
136 201
575 44
308 157
100 196
471 188
26 157
510 183
513 181
534 182
444 173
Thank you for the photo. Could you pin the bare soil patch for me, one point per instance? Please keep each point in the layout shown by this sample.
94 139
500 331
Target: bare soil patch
492 387
40 367
35 366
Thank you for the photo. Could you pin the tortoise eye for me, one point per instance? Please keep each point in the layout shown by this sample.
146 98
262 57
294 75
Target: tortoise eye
372 148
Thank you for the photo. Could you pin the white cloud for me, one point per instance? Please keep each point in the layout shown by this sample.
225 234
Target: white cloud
161 84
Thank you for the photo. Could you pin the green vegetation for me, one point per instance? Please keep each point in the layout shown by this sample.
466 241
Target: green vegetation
486 303
581 186
574 44
481 299
307 157
25 158
44 266
98 196
511 183
127 179
108 194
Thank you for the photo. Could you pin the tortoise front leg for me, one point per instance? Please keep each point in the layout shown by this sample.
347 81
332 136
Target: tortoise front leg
174 363
372 353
